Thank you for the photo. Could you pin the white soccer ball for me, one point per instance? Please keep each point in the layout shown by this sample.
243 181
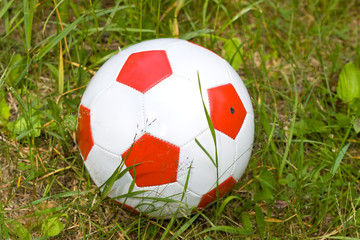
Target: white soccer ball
142 120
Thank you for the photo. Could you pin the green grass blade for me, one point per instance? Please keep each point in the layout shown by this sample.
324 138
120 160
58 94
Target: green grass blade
342 238
229 230
197 33
3 76
339 158
205 151
5 8
61 71
225 202
168 227
185 226
208 118
132 194
186 182
61 195
211 127
120 30
58 38
28 21
117 174
51 13
21 102
240 14
25 133
291 130
9 31
212 130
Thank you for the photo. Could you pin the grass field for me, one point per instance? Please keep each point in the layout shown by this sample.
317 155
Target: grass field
303 179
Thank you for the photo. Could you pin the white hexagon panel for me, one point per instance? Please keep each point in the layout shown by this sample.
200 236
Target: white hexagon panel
143 118
172 108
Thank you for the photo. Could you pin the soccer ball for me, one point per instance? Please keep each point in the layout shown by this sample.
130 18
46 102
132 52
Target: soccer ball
167 126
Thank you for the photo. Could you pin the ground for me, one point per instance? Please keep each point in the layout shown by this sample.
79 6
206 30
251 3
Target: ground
302 180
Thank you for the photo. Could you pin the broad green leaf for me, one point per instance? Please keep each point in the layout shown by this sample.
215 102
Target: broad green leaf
266 179
233 52
70 122
356 125
343 120
4 111
355 106
4 231
23 127
349 83
267 183
246 222
357 217
16 67
260 222
52 226
289 179
23 166
264 195
19 230
309 125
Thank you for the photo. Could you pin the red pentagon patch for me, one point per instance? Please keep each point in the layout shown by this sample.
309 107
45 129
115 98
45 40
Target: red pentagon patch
143 70
156 161
227 111
83 132
224 188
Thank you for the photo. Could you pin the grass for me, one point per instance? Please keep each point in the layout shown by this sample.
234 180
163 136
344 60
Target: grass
303 178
